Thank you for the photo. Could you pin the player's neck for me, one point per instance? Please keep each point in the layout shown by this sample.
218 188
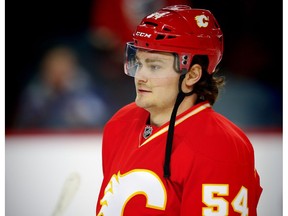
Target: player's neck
160 118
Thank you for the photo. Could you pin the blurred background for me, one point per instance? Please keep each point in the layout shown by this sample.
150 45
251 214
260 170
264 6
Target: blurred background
64 79
64 67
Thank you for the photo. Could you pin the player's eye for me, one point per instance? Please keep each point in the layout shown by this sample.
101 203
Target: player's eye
137 63
154 67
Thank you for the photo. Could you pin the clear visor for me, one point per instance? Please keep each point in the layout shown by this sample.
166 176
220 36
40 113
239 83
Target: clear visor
130 64
148 63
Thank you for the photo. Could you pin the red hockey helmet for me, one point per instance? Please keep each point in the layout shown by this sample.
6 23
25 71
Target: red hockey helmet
181 30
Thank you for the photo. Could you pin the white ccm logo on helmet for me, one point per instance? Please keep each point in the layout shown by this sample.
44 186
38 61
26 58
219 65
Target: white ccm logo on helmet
202 20
143 34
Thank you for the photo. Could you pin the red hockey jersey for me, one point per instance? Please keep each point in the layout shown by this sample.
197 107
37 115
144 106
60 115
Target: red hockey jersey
212 167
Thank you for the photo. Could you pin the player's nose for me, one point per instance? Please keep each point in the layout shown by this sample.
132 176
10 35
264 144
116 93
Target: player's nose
141 75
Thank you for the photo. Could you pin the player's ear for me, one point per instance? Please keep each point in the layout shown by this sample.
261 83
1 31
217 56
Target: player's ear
194 75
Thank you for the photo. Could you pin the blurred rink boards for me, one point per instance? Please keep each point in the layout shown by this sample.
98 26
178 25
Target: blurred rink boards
55 175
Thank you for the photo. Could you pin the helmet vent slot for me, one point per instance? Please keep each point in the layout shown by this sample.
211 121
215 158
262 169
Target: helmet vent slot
151 23
171 37
167 29
160 37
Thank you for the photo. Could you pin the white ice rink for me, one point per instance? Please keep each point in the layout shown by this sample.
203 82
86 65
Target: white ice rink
39 168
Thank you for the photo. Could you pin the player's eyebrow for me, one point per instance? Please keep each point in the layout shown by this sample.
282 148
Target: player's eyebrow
154 59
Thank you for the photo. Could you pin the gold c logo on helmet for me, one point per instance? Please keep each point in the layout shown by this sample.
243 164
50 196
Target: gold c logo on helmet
202 20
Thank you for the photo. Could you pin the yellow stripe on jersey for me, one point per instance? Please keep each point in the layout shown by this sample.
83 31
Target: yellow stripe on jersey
180 120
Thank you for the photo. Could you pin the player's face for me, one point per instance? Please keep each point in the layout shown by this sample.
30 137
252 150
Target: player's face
156 81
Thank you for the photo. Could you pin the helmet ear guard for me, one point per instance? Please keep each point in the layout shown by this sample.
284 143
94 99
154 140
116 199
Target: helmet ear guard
182 62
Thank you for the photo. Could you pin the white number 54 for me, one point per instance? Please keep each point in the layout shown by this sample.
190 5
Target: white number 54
212 196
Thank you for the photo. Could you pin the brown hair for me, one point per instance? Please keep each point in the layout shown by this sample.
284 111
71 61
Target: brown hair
207 88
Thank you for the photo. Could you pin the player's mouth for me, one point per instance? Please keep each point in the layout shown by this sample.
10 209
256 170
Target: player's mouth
141 90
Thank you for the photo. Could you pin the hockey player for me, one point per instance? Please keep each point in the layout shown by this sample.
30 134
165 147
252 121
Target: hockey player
169 153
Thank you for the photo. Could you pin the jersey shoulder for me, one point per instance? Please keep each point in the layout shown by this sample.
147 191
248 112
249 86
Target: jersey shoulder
127 115
211 132
212 123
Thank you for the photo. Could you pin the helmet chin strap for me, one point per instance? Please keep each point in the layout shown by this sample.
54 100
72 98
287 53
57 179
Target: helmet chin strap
180 97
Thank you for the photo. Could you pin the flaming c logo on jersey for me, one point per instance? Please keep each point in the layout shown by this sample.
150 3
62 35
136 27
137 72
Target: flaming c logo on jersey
122 188
202 20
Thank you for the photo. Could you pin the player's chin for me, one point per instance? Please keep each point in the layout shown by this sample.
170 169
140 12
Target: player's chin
141 102
138 101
